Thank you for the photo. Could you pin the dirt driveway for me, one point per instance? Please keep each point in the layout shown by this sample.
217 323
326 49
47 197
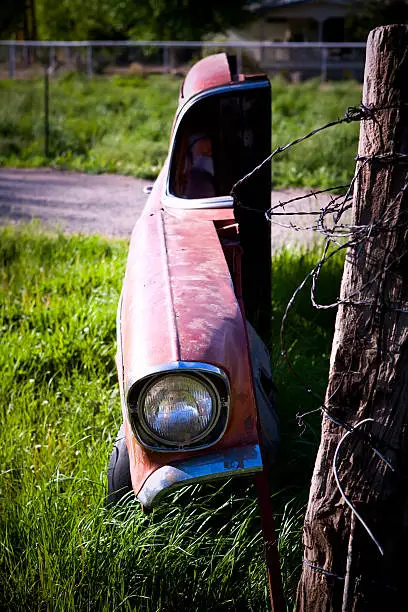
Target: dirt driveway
107 204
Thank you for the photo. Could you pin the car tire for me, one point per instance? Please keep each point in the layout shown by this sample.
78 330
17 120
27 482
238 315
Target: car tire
119 480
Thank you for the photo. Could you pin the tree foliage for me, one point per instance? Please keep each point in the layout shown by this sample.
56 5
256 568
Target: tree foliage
186 19
12 16
365 15
124 19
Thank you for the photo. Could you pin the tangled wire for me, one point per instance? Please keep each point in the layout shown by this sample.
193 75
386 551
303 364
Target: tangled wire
329 222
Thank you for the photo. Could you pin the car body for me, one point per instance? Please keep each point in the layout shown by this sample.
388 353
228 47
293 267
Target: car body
193 368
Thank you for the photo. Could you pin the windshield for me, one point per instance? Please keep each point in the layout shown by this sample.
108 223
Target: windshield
219 139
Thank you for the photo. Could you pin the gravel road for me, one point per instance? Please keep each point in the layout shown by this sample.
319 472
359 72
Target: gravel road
104 204
107 204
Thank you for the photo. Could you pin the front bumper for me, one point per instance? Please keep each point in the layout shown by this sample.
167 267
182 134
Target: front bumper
239 461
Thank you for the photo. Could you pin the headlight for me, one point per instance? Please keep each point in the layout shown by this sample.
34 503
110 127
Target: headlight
177 408
181 406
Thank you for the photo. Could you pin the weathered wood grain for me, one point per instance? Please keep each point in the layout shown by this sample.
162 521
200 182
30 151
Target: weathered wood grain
369 370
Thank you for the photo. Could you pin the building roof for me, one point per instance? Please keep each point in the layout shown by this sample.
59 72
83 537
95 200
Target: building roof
271 4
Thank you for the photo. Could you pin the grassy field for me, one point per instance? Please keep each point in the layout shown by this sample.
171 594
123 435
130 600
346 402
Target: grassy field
326 159
96 125
122 124
60 549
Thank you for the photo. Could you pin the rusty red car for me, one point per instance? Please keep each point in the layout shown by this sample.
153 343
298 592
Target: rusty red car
194 316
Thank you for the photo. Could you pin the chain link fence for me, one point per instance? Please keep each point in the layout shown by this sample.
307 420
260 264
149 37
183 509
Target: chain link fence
296 61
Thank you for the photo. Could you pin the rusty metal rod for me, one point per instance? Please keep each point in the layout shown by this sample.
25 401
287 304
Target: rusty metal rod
277 598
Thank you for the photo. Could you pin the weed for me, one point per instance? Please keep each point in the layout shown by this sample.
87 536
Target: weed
60 548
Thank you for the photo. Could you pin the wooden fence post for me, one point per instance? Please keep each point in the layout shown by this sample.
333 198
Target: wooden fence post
89 66
166 59
46 111
12 60
344 569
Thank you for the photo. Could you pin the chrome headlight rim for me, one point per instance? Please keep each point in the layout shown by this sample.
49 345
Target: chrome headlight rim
211 373
205 382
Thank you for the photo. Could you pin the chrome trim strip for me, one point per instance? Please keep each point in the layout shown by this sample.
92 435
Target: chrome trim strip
194 367
171 201
119 352
225 201
198 366
238 461
118 324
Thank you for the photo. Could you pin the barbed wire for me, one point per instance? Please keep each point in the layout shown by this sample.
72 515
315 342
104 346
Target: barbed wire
340 235
353 113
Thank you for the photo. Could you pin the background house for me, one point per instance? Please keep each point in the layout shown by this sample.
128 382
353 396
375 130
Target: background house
300 21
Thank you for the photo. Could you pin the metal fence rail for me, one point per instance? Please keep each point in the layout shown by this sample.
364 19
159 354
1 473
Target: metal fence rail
310 57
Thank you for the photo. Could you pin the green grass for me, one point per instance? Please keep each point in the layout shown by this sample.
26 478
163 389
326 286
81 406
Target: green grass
122 124
307 339
60 549
326 159
119 125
